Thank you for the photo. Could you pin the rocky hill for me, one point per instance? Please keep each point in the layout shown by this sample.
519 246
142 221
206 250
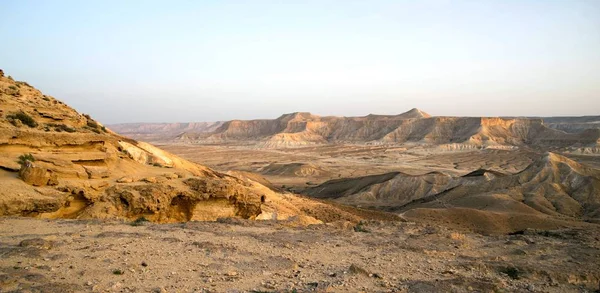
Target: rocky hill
573 124
414 127
58 163
552 187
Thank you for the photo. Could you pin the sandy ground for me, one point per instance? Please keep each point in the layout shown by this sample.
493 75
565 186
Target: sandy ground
245 256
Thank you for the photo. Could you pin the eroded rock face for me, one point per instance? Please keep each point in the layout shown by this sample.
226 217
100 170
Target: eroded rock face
97 172
177 200
34 175
102 175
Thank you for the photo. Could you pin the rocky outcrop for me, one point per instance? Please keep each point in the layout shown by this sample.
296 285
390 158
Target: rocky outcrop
37 176
73 167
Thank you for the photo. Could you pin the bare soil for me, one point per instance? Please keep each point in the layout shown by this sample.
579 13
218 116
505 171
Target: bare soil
266 256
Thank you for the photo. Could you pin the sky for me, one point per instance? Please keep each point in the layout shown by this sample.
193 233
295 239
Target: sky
181 61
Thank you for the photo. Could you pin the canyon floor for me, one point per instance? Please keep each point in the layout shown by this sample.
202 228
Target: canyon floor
266 256
299 168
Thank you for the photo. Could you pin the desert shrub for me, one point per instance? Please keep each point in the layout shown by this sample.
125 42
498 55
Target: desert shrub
512 272
12 87
96 130
10 77
25 157
46 99
103 128
24 118
19 83
139 221
360 228
62 127
93 124
67 128
117 272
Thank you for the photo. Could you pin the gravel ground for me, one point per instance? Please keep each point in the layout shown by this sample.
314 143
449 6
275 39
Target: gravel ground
262 256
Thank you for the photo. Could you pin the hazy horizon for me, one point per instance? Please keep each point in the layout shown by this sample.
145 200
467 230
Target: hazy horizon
266 118
151 61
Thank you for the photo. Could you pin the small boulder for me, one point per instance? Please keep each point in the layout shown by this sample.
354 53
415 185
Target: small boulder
96 172
170 176
34 175
37 243
53 181
354 269
125 179
152 179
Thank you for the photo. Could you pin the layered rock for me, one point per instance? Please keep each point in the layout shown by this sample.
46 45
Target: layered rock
413 127
75 167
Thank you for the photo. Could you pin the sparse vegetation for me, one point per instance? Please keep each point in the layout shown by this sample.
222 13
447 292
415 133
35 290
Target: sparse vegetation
66 128
92 129
24 118
117 272
360 228
93 124
139 221
512 272
24 158
46 98
12 87
63 127
19 83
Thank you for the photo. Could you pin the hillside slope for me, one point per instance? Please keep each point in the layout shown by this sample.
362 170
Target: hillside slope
58 163
552 186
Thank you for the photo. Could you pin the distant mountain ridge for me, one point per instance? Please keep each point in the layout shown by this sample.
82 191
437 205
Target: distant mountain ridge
411 127
162 131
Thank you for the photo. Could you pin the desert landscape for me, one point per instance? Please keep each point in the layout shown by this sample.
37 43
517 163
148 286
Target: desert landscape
301 203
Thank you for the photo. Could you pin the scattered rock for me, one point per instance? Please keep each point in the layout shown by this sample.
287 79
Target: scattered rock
125 179
53 181
354 269
170 176
37 243
150 180
96 172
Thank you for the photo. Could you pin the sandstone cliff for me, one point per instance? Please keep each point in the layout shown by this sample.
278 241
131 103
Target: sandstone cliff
56 162
413 128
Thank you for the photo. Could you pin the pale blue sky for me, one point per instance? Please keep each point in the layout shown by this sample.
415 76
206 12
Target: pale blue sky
167 61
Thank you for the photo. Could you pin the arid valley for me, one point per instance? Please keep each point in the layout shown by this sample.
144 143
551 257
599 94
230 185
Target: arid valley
302 203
